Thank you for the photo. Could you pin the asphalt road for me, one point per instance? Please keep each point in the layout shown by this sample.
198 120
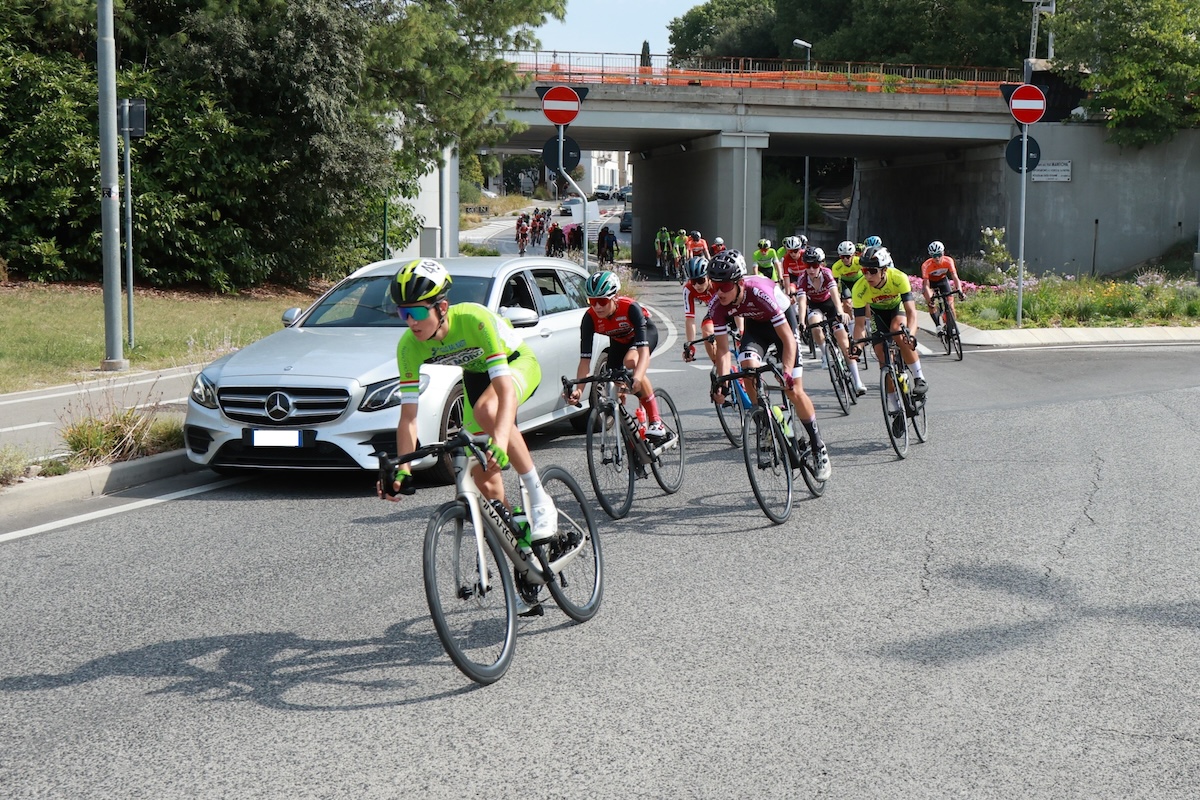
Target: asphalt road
1010 612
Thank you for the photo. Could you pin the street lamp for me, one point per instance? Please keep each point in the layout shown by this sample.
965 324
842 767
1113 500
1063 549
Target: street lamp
807 66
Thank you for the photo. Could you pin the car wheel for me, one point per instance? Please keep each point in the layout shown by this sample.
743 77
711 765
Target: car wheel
451 423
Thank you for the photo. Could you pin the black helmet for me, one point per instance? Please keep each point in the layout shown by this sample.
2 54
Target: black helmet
727 265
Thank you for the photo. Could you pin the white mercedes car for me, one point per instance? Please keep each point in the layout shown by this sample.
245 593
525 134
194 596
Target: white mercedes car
321 393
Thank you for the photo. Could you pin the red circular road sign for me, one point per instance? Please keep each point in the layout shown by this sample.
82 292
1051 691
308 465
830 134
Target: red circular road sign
560 104
1027 104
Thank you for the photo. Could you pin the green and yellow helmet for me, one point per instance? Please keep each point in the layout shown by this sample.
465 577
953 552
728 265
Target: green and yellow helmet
420 281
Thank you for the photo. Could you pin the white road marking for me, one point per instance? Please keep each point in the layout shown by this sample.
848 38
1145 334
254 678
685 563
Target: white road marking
108 512
25 427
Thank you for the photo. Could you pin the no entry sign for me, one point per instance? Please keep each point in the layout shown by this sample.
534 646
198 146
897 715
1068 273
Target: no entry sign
1027 104
560 104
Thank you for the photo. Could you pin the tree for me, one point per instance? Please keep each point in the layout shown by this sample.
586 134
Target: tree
1139 59
694 33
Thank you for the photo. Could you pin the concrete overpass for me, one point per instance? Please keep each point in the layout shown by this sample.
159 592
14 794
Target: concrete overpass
698 149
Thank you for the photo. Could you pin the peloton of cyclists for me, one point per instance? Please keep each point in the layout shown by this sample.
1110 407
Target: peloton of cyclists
886 291
769 319
816 299
556 240
632 338
937 272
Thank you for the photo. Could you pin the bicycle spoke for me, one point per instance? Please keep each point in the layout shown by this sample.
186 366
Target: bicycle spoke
670 457
579 585
609 464
895 421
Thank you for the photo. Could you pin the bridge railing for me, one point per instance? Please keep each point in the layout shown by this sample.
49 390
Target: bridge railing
779 73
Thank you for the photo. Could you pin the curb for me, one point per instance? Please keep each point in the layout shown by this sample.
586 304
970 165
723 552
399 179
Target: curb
39 493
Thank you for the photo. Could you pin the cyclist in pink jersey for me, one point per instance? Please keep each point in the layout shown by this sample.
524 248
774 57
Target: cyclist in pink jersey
768 319
817 299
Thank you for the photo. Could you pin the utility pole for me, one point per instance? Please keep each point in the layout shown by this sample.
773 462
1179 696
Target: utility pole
110 192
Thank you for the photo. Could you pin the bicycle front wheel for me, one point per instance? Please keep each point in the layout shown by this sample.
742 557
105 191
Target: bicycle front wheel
837 369
730 414
669 457
920 424
953 337
894 421
578 586
471 599
610 464
767 465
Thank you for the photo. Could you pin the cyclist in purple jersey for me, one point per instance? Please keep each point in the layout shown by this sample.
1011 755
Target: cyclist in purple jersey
768 319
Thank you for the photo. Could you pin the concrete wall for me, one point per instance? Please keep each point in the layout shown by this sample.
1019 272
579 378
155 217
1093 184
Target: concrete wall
1120 207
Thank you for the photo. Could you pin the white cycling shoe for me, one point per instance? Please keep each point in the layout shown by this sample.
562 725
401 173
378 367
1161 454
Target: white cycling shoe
543 522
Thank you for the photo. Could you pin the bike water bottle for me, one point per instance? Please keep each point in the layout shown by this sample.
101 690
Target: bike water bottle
521 524
641 421
786 424
903 381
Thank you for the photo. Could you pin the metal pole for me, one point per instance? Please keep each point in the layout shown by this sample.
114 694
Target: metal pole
583 205
1021 240
807 67
128 220
110 192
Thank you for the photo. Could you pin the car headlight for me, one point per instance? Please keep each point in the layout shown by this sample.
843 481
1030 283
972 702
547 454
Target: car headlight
386 394
204 391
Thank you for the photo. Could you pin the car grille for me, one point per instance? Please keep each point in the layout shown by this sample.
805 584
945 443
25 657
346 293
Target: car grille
291 406
323 455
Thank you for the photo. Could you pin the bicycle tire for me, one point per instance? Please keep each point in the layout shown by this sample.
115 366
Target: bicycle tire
953 337
668 464
899 442
808 470
920 424
770 476
610 464
579 587
947 344
478 629
833 357
847 380
731 417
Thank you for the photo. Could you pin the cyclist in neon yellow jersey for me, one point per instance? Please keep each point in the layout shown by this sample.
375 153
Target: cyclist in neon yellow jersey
766 261
847 270
662 246
500 372
888 294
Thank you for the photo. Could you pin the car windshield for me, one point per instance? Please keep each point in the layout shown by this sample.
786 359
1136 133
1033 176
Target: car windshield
366 303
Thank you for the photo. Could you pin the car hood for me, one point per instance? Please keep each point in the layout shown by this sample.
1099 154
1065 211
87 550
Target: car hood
365 355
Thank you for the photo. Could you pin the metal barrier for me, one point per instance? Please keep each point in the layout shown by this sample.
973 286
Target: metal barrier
780 73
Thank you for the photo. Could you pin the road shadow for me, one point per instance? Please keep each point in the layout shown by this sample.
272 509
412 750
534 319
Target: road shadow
1027 585
278 670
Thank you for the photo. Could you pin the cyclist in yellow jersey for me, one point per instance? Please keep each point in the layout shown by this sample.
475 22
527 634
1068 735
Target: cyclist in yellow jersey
888 294
765 260
847 270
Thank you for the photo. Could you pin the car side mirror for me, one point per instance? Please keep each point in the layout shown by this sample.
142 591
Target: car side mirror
519 316
290 316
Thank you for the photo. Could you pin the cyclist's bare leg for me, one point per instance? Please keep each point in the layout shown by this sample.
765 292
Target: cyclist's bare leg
491 482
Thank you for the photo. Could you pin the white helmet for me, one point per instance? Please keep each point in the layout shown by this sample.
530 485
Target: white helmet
718 240
846 249
936 249
793 243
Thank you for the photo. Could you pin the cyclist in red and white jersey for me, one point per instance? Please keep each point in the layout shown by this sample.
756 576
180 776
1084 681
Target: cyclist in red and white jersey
697 291
791 257
768 319
632 338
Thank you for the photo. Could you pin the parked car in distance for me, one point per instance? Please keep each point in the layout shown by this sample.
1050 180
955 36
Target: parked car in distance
604 191
624 191
488 193
626 221
322 394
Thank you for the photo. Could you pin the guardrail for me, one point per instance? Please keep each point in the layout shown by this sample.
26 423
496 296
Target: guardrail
780 73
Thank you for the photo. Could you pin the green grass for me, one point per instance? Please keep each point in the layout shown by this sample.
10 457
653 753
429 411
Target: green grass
54 334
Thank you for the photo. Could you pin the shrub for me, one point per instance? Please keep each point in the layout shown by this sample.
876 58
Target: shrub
12 464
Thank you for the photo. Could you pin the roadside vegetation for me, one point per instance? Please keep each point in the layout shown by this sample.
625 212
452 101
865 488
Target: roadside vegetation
1162 291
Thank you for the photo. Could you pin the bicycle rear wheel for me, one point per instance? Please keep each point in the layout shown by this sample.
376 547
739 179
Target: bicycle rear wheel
920 424
732 415
895 422
477 625
808 470
767 465
669 459
947 341
610 464
579 586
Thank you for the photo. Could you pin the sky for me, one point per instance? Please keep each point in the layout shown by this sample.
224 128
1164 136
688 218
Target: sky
614 26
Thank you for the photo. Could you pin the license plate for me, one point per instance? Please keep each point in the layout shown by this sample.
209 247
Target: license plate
276 438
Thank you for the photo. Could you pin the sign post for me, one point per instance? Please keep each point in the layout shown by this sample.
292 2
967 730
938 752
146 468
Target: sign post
560 104
1027 104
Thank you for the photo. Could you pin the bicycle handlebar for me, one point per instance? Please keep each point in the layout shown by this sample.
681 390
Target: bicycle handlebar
961 295
618 375
476 443
880 338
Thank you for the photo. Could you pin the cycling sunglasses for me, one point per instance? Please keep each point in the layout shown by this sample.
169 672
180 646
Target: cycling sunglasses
419 313
724 286
600 301
872 270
